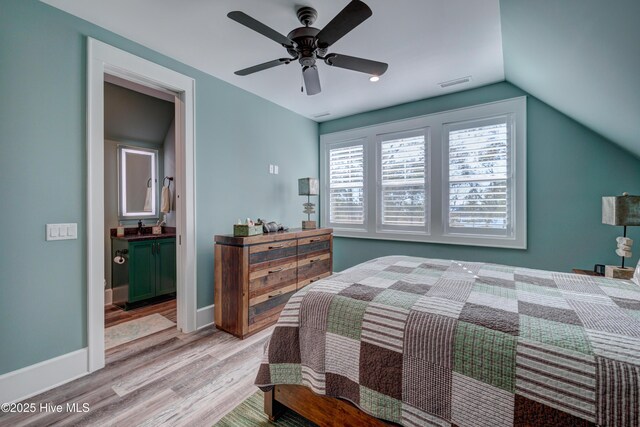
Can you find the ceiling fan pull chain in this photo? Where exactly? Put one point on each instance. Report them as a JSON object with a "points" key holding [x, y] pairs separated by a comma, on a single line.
{"points": [[301, 83]]}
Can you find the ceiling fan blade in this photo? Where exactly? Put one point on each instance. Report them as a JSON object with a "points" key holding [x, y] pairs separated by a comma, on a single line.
{"points": [[356, 64], [263, 66], [311, 80], [259, 27], [354, 14]]}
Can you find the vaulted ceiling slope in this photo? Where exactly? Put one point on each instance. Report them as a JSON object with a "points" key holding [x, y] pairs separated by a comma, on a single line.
{"points": [[135, 117], [582, 57]]}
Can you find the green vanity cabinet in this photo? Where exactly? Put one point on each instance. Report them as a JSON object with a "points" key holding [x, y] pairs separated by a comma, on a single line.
{"points": [[166, 272], [149, 269]]}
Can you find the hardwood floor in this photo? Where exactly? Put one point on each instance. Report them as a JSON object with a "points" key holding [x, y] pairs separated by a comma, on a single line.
{"points": [[114, 315], [168, 378]]}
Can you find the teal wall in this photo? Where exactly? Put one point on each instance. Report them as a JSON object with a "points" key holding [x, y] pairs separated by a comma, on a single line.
{"points": [[582, 57], [569, 169], [43, 173]]}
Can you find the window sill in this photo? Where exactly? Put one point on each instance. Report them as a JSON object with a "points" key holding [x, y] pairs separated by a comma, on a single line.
{"points": [[490, 242]]}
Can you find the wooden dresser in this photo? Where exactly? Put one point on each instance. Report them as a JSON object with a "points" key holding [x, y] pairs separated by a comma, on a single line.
{"points": [[255, 276]]}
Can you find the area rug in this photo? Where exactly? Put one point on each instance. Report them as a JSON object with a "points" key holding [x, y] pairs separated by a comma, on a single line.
{"points": [[250, 413], [134, 329]]}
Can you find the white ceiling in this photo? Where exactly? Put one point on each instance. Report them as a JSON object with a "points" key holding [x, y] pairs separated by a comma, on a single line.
{"points": [[425, 42]]}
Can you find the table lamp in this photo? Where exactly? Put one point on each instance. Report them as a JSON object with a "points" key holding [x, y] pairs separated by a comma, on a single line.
{"points": [[308, 187], [622, 211]]}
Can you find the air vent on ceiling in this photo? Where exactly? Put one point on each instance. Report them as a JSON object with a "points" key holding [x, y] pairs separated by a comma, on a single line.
{"points": [[325, 114], [455, 82]]}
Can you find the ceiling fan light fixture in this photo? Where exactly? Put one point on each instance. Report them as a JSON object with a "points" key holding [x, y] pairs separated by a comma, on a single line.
{"points": [[374, 79]]}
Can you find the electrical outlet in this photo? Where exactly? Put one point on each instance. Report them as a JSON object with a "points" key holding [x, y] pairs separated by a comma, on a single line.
{"points": [[271, 169], [275, 169]]}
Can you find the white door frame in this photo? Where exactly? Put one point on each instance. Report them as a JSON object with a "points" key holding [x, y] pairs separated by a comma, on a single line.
{"points": [[103, 58]]}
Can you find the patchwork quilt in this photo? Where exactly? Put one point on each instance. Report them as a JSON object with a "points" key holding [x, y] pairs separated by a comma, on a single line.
{"points": [[427, 342]]}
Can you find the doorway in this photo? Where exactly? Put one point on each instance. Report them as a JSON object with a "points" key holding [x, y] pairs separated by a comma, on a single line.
{"points": [[139, 211], [106, 62]]}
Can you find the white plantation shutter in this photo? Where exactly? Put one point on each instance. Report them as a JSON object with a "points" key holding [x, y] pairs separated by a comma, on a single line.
{"points": [[479, 178], [402, 181], [346, 185]]}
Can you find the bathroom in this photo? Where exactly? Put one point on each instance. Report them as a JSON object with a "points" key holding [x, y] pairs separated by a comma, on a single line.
{"points": [[139, 211]]}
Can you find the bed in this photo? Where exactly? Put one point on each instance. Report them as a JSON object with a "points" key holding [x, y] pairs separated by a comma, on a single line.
{"points": [[426, 342]]}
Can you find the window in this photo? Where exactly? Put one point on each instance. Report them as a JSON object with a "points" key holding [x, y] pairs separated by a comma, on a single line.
{"points": [[403, 189], [451, 177], [346, 185], [479, 180]]}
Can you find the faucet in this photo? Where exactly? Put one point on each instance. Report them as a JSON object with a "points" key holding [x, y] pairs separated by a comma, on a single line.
{"points": [[140, 225]]}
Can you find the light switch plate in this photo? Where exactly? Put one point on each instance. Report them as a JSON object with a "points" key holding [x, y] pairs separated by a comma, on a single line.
{"points": [[271, 169], [62, 231], [275, 169]]}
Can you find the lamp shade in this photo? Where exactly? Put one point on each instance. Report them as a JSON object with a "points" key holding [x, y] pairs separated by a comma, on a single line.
{"points": [[308, 187], [621, 210]]}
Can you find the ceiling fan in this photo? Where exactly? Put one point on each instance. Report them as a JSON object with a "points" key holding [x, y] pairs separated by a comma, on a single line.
{"points": [[308, 44]]}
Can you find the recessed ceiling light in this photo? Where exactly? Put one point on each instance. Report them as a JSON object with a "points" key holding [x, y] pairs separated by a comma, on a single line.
{"points": [[374, 78]]}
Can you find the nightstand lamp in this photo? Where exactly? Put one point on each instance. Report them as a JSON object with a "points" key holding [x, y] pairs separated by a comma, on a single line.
{"points": [[308, 187], [622, 211]]}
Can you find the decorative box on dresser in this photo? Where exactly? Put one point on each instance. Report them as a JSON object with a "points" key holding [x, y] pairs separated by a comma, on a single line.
{"points": [[255, 276]]}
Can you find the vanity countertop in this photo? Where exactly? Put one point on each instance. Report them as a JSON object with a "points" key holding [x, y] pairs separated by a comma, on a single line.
{"points": [[139, 237], [131, 234]]}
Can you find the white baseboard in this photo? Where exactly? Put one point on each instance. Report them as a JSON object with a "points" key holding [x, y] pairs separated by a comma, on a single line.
{"points": [[35, 379], [204, 316], [108, 297]]}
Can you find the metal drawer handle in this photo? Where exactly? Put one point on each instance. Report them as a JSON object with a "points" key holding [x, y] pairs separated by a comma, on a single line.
{"points": [[276, 294], [276, 247], [312, 240], [312, 261], [276, 270], [313, 280]]}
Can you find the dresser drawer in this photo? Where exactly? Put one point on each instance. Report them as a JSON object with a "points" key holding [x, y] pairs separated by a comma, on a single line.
{"points": [[267, 312], [304, 283], [313, 266], [269, 252], [269, 280], [314, 245]]}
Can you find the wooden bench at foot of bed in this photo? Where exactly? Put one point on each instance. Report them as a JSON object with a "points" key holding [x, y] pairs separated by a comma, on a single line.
{"points": [[322, 410]]}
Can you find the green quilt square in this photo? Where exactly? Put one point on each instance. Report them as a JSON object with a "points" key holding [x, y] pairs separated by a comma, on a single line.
{"points": [[345, 316], [495, 290], [634, 313], [380, 405], [500, 268], [286, 373], [537, 289], [486, 355], [608, 282], [392, 275], [396, 298], [563, 335]]}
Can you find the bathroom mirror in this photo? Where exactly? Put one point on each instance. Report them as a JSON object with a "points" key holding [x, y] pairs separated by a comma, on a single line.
{"points": [[137, 182]]}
